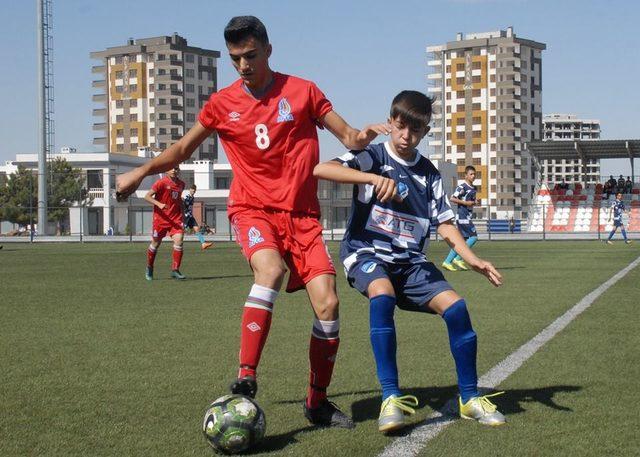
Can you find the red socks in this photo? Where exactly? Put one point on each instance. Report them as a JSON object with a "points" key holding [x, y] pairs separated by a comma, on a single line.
{"points": [[177, 257], [256, 321], [151, 256], [323, 349]]}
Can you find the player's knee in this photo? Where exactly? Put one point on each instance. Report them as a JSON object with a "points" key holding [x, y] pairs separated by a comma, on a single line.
{"points": [[271, 274], [327, 307]]}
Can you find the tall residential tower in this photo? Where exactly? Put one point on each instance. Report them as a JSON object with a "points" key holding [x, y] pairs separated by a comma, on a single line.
{"points": [[488, 91], [153, 89], [569, 127]]}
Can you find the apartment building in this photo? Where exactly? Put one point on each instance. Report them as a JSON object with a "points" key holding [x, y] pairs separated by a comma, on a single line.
{"points": [[488, 105], [151, 91], [569, 127]]}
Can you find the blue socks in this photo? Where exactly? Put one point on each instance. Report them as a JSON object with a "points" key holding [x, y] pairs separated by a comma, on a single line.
{"points": [[382, 331], [464, 347], [452, 255], [200, 237], [470, 242], [624, 234]]}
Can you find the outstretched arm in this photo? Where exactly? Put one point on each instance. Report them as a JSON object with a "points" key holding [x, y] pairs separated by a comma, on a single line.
{"points": [[333, 171], [452, 236], [127, 183], [353, 138], [150, 197]]}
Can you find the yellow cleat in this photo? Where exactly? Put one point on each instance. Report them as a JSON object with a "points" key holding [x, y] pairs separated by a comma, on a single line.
{"points": [[448, 266], [482, 410], [461, 265], [393, 411]]}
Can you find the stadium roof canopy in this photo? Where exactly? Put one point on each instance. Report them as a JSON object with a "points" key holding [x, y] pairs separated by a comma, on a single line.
{"points": [[586, 150]]}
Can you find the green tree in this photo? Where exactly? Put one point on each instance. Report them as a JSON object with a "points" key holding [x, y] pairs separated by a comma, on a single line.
{"points": [[66, 188], [18, 197]]}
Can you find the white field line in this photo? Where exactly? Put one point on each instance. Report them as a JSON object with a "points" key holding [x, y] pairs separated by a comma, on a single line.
{"points": [[414, 442]]}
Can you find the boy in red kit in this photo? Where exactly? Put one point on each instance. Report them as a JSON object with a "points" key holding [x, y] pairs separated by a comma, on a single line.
{"points": [[166, 197], [267, 123]]}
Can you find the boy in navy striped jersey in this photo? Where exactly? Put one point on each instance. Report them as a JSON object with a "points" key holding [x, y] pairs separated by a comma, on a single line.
{"points": [[397, 198]]}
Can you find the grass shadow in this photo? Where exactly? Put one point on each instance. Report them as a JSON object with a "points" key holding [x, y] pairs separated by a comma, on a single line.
{"points": [[275, 443], [444, 400]]}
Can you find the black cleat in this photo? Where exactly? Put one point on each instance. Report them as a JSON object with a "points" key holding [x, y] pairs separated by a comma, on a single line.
{"points": [[246, 386], [327, 415]]}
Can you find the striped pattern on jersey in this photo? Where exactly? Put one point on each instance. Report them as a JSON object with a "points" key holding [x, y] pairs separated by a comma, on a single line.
{"points": [[397, 231], [465, 192], [188, 205], [618, 209]]}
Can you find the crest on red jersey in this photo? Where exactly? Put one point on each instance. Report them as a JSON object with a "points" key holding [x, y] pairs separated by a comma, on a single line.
{"points": [[284, 111]]}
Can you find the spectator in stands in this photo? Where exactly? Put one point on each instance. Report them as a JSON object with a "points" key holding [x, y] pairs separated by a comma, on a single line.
{"points": [[612, 181], [628, 186], [607, 190], [621, 183], [564, 185]]}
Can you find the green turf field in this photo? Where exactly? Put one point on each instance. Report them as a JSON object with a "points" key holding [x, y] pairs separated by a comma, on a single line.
{"points": [[97, 361]]}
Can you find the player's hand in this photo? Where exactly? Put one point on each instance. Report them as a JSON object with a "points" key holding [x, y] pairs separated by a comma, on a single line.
{"points": [[370, 132], [162, 205], [385, 187], [487, 269], [127, 183]]}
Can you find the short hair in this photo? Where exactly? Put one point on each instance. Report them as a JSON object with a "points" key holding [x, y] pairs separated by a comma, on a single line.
{"points": [[412, 107], [240, 28], [469, 168], [193, 186]]}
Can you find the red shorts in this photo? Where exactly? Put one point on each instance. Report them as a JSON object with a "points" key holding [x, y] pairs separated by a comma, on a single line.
{"points": [[298, 239], [159, 231]]}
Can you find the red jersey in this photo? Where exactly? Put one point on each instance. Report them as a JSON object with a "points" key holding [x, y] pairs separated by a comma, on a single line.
{"points": [[271, 143], [169, 192]]}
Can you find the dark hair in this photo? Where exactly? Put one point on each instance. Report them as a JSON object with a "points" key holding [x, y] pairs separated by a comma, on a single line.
{"points": [[412, 107], [193, 186], [469, 168], [240, 28]]}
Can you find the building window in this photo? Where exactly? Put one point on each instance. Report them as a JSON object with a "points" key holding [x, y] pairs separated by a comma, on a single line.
{"points": [[119, 103], [188, 58], [133, 102], [119, 60], [119, 89], [162, 101], [133, 87], [133, 118], [191, 102], [191, 117], [119, 118], [151, 71], [119, 132], [134, 132], [190, 73], [161, 57], [163, 146], [189, 87], [162, 131], [119, 74], [210, 62], [119, 147], [134, 146], [133, 73], [152, 131]]}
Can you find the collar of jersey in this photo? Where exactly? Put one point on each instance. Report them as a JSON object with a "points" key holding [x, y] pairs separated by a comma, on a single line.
{"points": [[400, 160]]}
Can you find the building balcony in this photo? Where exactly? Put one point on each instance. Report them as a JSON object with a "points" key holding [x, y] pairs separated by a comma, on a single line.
{"points": [[167, 92], [99, 98], [96, 192], [100, 112], [169, 122], [100, 84], [434, 76], [100, 141], [99, 69], [100, 126], [167, 77]]}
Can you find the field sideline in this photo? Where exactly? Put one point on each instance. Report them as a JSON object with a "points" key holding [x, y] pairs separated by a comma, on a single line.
{"points": [[96, 361]]}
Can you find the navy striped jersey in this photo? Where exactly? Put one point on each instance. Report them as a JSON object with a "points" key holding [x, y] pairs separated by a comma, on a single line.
{"points": [[188, 205], [618, 208], [394, 231], [467, 193]]}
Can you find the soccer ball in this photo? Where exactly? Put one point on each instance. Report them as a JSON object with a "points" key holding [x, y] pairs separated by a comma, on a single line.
{"points": [[233, 424]]}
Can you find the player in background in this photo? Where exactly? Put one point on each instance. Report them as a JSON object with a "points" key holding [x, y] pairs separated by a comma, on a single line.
{"points": [[166, 197], [190, 221], [465, 197], [398, 198], [616, 210], [267, 123]]}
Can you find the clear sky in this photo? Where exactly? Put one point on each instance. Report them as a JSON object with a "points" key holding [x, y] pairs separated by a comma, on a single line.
{"points": [[359, 52]]}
